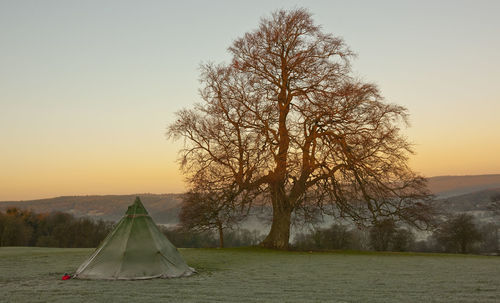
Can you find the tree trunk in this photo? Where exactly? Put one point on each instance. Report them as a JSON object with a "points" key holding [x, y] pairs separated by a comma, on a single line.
{"points": [[221, 236], [279, 235]]}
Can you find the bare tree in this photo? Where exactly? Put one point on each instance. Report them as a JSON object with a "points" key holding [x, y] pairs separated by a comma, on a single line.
{"points": [[204, 211], [287, 120], [458, 233], [210, 205]]}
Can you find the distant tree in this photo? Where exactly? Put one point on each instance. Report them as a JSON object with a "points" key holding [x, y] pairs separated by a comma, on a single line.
{"points": [[422, 246], [19, 227], [14, 231], [85, 232], [489, 238], [242, 237], [181, 237], [381, 234], [205, 210], [458, 234], [385, 235], [56, 230], [337, 236], [303, 241], [403, 240], [360, 239], [495, 204], [2, 225], [32, 220], [287, 118]]}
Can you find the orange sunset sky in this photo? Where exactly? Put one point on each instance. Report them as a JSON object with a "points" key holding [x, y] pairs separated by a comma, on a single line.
{"points": [[87, 88]]}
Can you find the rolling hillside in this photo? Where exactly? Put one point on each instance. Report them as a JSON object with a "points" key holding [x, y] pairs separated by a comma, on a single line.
{"points": [[449, 186], [164, 208], [453, 193], [475, 201]]}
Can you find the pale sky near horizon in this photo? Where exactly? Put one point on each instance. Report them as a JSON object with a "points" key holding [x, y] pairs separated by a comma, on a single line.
{"points": [[87, 88]]}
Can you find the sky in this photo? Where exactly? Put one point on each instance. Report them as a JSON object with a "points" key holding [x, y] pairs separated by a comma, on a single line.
{"points": [[87, 88]]}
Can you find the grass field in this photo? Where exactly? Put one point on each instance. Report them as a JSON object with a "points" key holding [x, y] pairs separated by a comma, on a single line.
{"points": [[258, 275]]}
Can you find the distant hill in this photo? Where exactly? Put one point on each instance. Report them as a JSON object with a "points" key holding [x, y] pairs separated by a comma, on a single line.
{"points": [[164, 208], [470, 194], [475, 203], [448, 186], [453, 193]]}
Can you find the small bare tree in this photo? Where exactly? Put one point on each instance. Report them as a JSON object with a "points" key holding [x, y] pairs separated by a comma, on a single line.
{"points": [[207, 206], [287, 120], [204, 211]]}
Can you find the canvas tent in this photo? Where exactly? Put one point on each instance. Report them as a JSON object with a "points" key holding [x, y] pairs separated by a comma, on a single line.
{"points": [[134, 249]]}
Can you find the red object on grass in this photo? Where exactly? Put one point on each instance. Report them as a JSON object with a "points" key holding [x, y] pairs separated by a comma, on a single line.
{"points": [[66, 277]]}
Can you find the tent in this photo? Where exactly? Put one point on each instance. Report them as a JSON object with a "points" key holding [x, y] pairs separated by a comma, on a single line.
{"points": [[134, 249]]}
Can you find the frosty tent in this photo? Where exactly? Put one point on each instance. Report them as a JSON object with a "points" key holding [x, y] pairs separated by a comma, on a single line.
{"points": [[134, 249]]}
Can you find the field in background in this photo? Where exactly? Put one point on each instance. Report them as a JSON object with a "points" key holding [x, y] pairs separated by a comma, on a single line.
{"points": [[258, 275]]}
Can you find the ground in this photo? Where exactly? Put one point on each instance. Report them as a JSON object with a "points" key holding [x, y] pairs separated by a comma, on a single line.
{"points": [[259, 275]]}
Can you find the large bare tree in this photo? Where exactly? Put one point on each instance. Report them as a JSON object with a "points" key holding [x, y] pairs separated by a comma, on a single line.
{"points": [[287, 119]]}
